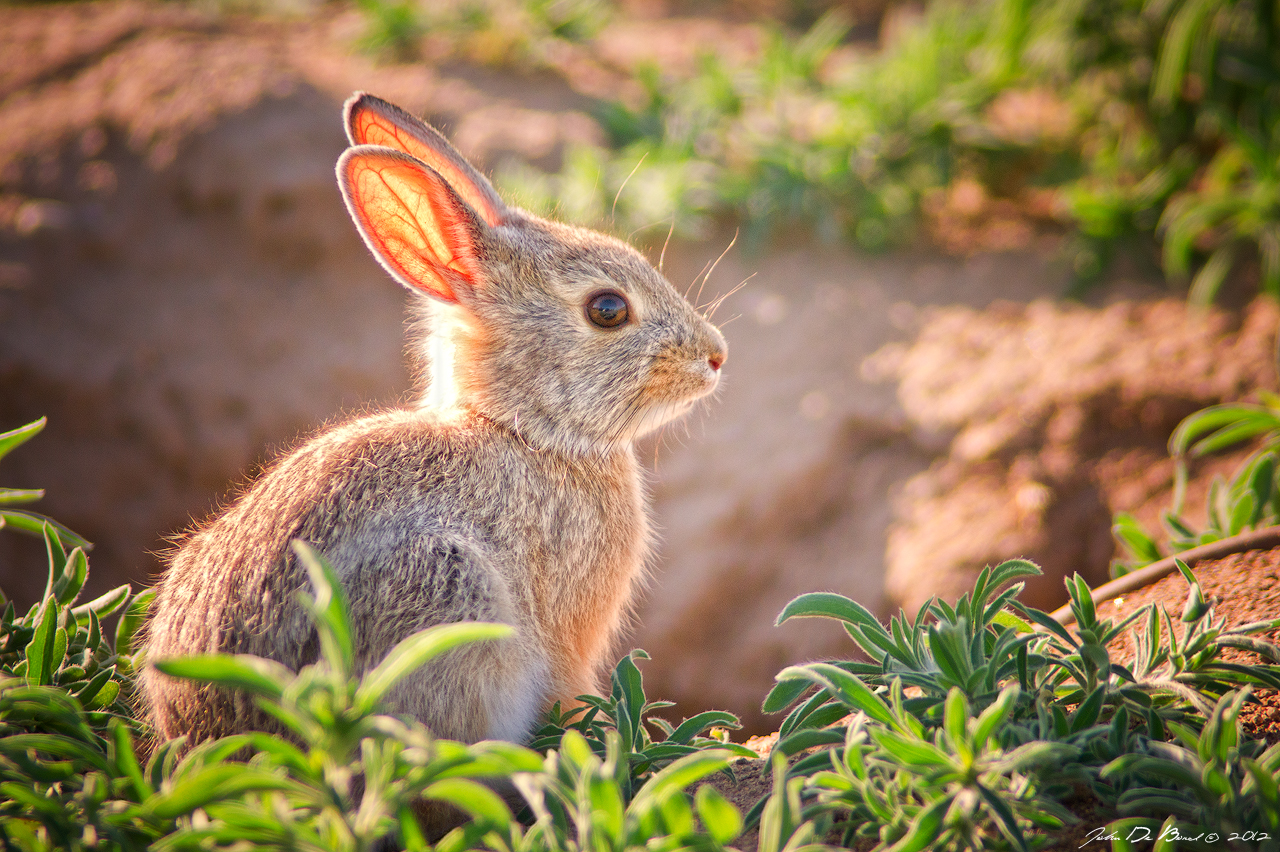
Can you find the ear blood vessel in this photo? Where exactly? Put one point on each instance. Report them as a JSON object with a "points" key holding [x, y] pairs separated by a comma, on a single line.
{"points": [[511, 493]]}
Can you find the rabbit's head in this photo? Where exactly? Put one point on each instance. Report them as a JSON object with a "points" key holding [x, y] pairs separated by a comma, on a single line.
{"points": [[565, 335]]}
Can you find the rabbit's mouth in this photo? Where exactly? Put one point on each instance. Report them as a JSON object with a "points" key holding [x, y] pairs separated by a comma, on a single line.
{"points": [[662, 410], [658, 415]]}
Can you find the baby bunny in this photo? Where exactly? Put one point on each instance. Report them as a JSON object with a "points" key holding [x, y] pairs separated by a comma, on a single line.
{"points": [[510, 494]]}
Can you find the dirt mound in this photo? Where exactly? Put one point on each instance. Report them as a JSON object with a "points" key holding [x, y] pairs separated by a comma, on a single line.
{"points": [[1060, 416]]}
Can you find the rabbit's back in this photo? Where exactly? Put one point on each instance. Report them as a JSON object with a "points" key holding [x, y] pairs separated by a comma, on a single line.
{"points": [[426, 522]]}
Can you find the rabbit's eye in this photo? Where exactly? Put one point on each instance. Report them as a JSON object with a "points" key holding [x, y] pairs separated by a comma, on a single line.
{"points": [[607, 309]]}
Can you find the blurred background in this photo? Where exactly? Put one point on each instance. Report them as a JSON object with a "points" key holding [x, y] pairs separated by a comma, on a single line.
{"points": [[994, 252]]}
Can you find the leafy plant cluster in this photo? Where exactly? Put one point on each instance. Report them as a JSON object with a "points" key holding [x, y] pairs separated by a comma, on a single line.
{"points": [[981, 123], [1249, 501], [973, 726], [339, 776]]}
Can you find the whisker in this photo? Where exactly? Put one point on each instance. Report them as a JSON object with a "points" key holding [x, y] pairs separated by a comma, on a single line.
{"points": [[657, 445], [614, 210], [621, 421], [695, 280], [645, 227], [717, 263], [662, 257], [715, 305]]}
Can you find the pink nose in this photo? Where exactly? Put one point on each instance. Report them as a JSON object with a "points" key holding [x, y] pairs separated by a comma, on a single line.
{"points": [[715, 361]]}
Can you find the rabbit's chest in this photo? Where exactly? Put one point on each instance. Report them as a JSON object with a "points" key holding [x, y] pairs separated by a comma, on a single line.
{"points": [[587, 551]]}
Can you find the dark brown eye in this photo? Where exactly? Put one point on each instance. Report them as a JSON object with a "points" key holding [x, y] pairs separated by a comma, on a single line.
{"points": [[607, 310]]}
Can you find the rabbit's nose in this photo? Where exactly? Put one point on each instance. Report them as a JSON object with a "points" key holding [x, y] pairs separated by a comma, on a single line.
{"points": [[717, 350]]}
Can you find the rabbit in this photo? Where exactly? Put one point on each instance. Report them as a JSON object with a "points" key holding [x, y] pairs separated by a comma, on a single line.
{"points": [[509, 493]]}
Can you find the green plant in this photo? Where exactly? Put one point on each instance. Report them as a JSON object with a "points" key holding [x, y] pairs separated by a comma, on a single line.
{"points": [[956, 789], [973, 723], [627, 715], [1250, 500], [345, 776], [578, 804], [1216, 787]]}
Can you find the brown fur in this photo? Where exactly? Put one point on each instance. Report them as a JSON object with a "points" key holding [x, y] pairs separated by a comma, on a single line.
{"points": [[515, 498]]}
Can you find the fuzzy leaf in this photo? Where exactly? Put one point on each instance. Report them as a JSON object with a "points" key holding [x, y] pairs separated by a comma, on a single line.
{"points": [[414, 651], [246, 672]]}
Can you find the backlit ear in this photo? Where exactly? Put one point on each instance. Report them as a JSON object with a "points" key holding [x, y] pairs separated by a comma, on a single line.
{"points": [[412, 220], [373, 121]]}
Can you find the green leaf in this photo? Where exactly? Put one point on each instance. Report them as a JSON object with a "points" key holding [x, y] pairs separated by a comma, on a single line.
{"points": [[956, 718], [994, 717], [67, 587], [34, 524], [1046, 621], [1164, 837], [1088, 711], [1082, 601], [1242, 513], [1011, 569], [1131, 534], [132, 619], [39, 652], [829, 605], [17, 745], [212, 784], [90, 690], [1230, 424], [105, 697], [473, 798], [16, 437], [412, 652], [58, 656], [925, 829], [328, 607], [628, 690], [914, 752], [1205, 286], [127, 761], [57, 557], [1003, 812], [105, 604], [783, 695], [695, 725], [10, 496], [721, 819], [950, 659], [246, 672], [1196, 606], [843, 687], [682, 774], [808, 738]]}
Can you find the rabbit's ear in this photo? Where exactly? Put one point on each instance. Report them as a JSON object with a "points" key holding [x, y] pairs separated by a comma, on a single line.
{"points": [[373, 121], [412, 220]]}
